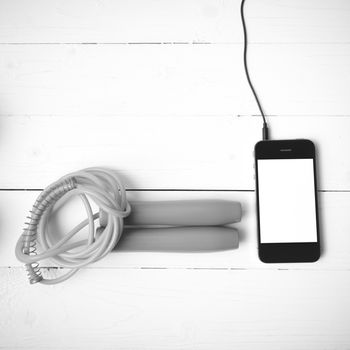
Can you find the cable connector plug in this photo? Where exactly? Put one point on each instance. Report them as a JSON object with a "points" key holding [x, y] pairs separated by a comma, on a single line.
{"points": [[265, 132]]}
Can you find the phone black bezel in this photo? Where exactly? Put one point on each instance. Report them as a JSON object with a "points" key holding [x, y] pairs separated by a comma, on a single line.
{"points": [[287, 252]]}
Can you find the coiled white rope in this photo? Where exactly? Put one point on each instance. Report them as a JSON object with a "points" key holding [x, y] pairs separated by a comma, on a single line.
{"points": [[100, 185]]}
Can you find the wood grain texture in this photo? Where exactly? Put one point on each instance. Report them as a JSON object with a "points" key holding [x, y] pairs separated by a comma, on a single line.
{"points": [[167, 21], [172, 309], [162, 152], [95, 80]]}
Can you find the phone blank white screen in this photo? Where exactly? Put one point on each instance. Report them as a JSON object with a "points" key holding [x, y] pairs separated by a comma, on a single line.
{"points": [[287, 201]]}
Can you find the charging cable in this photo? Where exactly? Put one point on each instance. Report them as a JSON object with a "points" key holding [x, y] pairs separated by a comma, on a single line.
{"points": [[265, 131]]}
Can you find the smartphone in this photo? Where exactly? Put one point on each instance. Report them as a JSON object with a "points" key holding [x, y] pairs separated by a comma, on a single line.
{"points": [[286, 194]]}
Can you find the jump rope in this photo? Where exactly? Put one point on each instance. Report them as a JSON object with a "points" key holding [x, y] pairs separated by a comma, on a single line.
{"points": [[117, 215]]}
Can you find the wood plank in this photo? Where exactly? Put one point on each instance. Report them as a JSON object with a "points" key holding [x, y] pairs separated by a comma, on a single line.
{"points": [[149, 80], [178, 309], [334, 208], [200, 21], [162, 152]]}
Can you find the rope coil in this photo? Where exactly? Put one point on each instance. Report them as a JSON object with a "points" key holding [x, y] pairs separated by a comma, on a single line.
{"points": [[103, 187]]}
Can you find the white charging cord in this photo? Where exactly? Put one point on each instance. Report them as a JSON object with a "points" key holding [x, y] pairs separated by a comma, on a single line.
{"points": [[100, 185]]}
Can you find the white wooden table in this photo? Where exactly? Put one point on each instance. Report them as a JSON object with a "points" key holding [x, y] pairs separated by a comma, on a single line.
{"points": [[156, 90]]}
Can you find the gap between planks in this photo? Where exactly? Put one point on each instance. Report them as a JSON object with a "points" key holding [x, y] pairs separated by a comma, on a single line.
{"points": [[166, 190], [180, 43], [179, 268]]}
